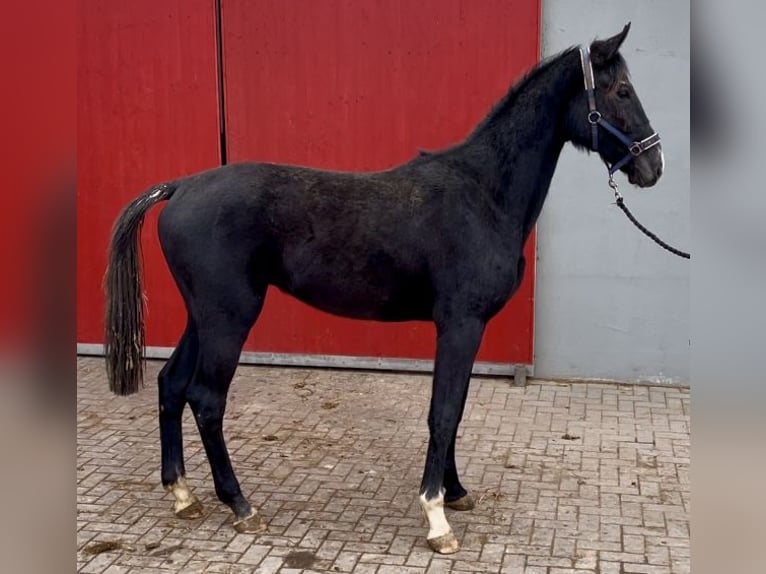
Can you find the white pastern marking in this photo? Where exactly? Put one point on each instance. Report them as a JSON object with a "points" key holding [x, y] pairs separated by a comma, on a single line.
{"points": [[184, 496], [434, 511]]}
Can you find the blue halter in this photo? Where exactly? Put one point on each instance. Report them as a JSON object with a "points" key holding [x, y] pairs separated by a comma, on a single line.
{"points": [[595, 119]]}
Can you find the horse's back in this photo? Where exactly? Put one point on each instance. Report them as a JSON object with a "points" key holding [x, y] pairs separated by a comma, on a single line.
{"points": [[354, 244], [288, 204]]}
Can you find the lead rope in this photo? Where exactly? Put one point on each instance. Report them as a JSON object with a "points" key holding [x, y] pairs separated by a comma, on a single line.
{"points": [[621, 204]]}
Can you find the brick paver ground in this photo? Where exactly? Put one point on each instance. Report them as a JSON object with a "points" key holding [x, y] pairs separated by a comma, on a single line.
{"points": [[570, 478]]}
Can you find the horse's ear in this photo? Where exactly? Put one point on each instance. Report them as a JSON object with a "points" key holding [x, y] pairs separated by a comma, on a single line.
{"points": [[601, 51]]}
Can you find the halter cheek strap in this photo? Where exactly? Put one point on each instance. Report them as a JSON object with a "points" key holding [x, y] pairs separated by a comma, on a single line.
{"points": [[595, 119]]}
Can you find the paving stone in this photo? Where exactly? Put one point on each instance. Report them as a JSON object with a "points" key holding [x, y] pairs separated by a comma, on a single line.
{"points": [[569, 478]]}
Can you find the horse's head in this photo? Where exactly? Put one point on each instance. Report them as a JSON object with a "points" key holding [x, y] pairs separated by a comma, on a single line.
{"points": [[606, 115]]}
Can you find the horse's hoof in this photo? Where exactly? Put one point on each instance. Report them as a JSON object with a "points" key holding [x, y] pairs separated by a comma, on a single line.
{"points": [[253, 524], [444, 544], [463, 503], [190, 511]]}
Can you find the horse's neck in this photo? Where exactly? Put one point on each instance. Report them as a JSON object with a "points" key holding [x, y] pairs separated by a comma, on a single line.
{"points": [[520, 140]]}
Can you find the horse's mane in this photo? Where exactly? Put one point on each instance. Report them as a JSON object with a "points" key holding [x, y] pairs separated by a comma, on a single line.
{"points": [[506, 101], [614, 68], [519, 86]]}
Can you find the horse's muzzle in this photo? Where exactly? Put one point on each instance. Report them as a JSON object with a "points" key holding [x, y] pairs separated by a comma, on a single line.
{"points": [[647, 168]]}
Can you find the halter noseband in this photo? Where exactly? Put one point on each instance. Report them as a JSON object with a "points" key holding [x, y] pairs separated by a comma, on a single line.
{"points": [[595, 119]]}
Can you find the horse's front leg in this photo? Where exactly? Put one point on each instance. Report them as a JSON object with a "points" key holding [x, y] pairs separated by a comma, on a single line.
{"points": [[456, 348], [456, 496]]}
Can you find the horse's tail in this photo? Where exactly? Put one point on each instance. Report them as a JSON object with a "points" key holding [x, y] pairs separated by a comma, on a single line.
{"points": [[124, 320]]}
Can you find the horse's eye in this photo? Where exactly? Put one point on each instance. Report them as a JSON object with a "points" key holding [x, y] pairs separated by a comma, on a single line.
{"points": [[623, 93]]}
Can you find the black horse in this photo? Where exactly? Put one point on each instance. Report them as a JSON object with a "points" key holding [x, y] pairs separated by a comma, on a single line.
{"points": [[437, 239]]}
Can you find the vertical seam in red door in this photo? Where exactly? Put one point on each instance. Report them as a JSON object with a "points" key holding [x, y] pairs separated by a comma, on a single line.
{"points": [[221, 91]]}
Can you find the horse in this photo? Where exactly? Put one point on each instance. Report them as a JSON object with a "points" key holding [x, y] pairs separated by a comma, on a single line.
{"points": [[439, 238]]}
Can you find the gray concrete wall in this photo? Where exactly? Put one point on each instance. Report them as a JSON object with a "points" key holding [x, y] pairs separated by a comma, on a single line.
{"points": [[609, 302]]}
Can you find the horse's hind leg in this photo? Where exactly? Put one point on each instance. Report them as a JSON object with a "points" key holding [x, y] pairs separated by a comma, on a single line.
{"points": [[223, 326], [172, 382]]}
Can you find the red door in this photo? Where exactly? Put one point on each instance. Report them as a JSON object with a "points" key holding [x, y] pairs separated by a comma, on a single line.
{"points": [[342, 84], [361, 85], [147, 112]]}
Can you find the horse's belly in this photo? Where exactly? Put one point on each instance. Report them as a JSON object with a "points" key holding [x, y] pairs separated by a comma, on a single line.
{"points": [[362, 297]]}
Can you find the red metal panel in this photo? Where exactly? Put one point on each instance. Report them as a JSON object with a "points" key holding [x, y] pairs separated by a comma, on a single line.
{"points": [[360, 85], [37, 150], [147, 112]]}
